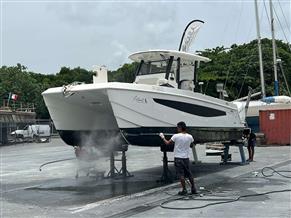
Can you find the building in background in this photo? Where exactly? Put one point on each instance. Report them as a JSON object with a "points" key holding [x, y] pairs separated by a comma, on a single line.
{"points": [[14, 116]]}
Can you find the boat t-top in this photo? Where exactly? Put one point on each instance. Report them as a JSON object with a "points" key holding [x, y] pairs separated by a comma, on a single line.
{"points": [[135, 113]]}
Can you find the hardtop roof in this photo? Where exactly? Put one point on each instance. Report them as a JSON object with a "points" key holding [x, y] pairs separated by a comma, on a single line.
{"points": [[157, 55]]}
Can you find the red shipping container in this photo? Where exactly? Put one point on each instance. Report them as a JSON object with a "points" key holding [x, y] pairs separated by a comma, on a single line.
{"points": [[276, 125]]}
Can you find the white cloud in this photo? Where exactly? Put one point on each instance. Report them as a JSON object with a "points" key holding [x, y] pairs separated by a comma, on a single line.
{"points": [[46, 36]]}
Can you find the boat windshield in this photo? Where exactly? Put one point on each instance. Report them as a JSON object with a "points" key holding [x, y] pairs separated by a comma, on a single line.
{"points": [[153, 67], [156, 67]]}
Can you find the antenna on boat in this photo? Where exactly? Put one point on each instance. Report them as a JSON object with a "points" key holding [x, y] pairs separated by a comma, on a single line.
{"points": [[276, 84], [189, 34], [260, 51]]}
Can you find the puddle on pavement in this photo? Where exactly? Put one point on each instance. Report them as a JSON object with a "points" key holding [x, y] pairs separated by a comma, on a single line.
{"points": [[111, 188]]}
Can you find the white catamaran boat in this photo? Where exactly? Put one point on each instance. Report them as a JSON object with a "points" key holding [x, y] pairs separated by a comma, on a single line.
{"points": [[135, 113], [161, 96]]}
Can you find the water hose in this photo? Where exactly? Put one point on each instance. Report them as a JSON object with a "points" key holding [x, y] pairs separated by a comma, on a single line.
{"points": [[56, 161]]}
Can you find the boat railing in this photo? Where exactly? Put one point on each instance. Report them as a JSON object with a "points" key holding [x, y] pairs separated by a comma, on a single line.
{"points": [[67, 88]]}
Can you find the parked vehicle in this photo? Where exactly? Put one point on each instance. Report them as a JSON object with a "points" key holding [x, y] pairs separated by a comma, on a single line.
{"points": [[38, 132]]}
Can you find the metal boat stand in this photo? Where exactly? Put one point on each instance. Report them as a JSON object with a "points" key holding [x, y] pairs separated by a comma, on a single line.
{"points": [[196, 160], [240, 146], [167, 176], [122, 172]]}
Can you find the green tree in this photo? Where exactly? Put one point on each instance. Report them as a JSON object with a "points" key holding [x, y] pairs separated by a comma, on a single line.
{"points": [[237, 67], [126, 73]]}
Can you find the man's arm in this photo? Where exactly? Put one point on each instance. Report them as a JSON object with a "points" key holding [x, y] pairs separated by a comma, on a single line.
{"points": [[167, 142], [192, 142]]}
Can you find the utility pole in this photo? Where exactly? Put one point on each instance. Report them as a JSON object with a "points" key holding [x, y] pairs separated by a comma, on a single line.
{"points": [[276, 83], [260, 51]]}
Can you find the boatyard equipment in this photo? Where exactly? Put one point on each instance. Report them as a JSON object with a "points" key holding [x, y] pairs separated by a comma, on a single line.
{"points": [[167, 176], [123, 172], [240, 146]]}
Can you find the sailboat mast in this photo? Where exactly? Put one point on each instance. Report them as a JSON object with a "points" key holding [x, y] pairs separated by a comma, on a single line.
{"points": [[260, 51], [276, 83]]}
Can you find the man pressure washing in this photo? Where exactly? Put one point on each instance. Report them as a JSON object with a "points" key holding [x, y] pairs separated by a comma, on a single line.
{"points": [[182, 142]]}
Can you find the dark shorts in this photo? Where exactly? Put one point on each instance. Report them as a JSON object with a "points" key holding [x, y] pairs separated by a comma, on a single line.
{"points": [[183, 167], [252, 144]]}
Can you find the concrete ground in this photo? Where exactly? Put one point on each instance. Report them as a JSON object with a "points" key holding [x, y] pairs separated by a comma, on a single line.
{"points": [[54, 191]]}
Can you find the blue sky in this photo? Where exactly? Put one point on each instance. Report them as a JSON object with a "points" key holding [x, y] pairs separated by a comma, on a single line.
{"points": [[46, 35]]}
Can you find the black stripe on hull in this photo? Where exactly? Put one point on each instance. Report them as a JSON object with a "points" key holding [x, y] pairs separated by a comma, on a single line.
{"points": [[194, 109], [146, 136], [150, 136]]}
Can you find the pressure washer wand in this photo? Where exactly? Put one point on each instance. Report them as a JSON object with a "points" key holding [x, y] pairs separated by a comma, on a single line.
{"points": [[55, 162]]}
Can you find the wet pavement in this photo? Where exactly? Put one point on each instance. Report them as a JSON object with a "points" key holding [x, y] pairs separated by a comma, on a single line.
{"points": [[55, 192]]}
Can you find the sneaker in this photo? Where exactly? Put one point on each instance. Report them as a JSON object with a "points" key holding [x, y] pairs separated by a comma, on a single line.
{"points": [[183, 192], [194, 192]]}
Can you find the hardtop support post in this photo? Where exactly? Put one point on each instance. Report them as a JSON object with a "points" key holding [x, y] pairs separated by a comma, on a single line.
{"points": [[169, 66], [178, 76]]}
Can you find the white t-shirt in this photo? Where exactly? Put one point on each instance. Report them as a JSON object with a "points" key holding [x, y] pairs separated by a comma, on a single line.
{"points": [[182, 144]]}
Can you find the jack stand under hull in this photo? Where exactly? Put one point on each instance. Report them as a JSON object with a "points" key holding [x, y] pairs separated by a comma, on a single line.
{"points": [[114, 172], [241, 151], [167, 176]]}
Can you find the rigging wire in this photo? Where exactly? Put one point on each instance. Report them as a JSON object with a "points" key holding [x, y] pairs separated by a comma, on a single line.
{"points": [[287, 24], [280, 24], [226, 27], [277, 53], [282, 29], [233, 81], [240, 90], [246, 73], [236, 33], [245, 76], [267, 12], [283, 73], [281, 66]]}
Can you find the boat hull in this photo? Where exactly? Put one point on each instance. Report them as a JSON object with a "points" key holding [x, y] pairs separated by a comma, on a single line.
{"points": [[116, 113], [150, 136]]}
